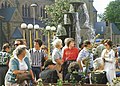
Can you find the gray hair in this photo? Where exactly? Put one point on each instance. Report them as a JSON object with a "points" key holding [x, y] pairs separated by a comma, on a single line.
{"points": [[57, 42], [19, 49]]}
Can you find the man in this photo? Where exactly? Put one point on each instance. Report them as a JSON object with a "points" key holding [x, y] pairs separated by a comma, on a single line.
{"points": [[4, 60], [38, 57], [85, 57], [49, 75]]}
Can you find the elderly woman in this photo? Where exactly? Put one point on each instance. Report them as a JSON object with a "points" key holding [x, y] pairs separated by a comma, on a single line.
{"points": [[57, 53], [108, 55], [18, 65]]}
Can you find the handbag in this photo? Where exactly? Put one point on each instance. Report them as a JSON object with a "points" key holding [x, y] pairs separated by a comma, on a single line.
{"points": [[23, 76], [99, 77]]}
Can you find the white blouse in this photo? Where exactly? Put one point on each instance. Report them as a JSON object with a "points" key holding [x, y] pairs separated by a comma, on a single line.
{"points": [[23, 65]]}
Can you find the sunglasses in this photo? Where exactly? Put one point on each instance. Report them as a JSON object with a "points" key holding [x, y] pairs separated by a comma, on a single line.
{"points": [[16, 44], [105, 44]]}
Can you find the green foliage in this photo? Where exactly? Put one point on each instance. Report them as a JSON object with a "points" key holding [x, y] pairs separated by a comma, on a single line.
{"points": [[112, 13], [101, 17], [56, 11]]}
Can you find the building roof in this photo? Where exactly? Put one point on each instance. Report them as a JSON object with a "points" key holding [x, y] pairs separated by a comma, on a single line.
{"points": [[115, 30], [7, 13], [30, 21], [100, 27], [17, 34], [94, 10]]}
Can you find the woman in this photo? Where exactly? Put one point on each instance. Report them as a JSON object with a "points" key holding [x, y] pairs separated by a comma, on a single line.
{"points": [[57, 55], [70, 54], [108, 56], [18, 64]]}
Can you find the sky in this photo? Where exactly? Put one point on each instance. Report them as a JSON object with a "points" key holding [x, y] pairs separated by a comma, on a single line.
{"points": [[100, 5]]}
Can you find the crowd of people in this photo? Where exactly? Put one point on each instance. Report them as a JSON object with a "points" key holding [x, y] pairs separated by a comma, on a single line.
{"points": [[66, 63]]}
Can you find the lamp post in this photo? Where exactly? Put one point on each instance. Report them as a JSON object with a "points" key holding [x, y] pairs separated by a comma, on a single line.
{"points": [[23, 26], [48, 29], [53, 28], [36, 27], [30, 27], [34, 6]]}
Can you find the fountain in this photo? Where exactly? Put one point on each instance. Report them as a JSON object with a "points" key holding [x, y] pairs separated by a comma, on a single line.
{"points": [[90, 33], [73, 22]]}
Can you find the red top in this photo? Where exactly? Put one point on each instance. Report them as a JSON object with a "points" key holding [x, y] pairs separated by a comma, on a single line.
{"points": [[70, 54]]}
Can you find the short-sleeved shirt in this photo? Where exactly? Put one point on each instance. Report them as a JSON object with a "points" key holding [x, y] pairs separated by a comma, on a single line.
{"points": [[4, 58], [70, 54], [84, 53], [37, 57], [56, 54]]}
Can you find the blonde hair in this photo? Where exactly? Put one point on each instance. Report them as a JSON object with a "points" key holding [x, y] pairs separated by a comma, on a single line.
{"points": [[56, 43]]}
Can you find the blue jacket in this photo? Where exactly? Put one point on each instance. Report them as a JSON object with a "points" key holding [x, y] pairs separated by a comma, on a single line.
{"points": [[14, 65]]}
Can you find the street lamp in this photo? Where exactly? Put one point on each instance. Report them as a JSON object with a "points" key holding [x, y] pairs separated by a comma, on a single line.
{"points": [[30, 27], [48, 29], [23, 26], [36, 27], [34, 6], [53, 29]]}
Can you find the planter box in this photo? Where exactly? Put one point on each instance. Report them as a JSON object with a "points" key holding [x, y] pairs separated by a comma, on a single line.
{"points": [[70, 84]]}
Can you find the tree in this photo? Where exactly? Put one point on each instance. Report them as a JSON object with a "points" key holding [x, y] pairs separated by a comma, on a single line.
{"points": [[56, 11], [112, 12], [101, 17]]}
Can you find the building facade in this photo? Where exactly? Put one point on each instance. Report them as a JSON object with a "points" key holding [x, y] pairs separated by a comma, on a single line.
{"points": [[15, 12]]}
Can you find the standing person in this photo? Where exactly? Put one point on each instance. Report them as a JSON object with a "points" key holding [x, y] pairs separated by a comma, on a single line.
{"points": [[100, 48], [70, 54], [38, 57], [22, 42], [108, 55], [18, 64], [4, 60]]}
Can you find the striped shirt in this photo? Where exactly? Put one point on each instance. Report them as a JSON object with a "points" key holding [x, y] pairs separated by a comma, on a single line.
{"points": [[4, 58], [37, 57]]}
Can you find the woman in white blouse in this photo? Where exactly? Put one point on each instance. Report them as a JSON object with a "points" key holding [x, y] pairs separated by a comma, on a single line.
{"points": [[108, 56]]}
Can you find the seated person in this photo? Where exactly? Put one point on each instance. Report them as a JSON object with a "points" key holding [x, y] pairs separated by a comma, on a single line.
{"points": [[73, 72], [98, 76], [49, 75]]}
